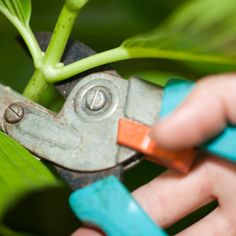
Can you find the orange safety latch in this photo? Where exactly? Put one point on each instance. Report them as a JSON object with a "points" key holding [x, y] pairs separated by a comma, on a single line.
{"points": [[137, 136]]}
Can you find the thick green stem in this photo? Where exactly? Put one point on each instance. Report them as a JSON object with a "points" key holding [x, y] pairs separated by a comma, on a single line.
{"points": [[60, 36], [56, 47], [36, 86], [121, 53]]}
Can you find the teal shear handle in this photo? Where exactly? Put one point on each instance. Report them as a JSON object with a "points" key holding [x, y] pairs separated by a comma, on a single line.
{"points": [[176, 91], [106, 204]]}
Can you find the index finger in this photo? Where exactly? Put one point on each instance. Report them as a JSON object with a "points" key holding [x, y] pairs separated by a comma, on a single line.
{"points": [[204, 113]]}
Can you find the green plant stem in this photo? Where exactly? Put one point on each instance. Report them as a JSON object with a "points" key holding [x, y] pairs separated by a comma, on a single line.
{"points": [[60, 36], [121, 53], [36, 86], [55, 50], [28, 37], [32, 45], [58, 74]]}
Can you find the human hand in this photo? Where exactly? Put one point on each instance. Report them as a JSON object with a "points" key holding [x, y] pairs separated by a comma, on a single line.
{"points": [[171, 196]]}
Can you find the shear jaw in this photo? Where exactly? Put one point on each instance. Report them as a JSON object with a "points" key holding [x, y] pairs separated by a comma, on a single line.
{"points": [[83, 135]]}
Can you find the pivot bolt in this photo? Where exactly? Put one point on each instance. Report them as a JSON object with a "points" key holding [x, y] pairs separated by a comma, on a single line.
{"points": [[14, 113], [95, 99]]}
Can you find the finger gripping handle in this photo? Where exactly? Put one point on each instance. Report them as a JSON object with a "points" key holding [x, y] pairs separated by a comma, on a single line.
{"points": [[107, 204], [175, 93]]}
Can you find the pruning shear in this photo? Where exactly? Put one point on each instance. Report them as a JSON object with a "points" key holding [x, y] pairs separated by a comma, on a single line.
{"points": [[102, 130]]}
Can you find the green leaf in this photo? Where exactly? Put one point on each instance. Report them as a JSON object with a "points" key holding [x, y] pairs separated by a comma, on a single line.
{"points": [[18, 13], [16, 10], [21, 173], [201, 30]]}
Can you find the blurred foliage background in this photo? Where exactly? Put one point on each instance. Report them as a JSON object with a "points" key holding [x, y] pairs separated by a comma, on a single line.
{"points": [[103, 24]]}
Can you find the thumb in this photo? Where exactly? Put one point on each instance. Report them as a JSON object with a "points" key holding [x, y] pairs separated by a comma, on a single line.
{"points": [[205, 112]]}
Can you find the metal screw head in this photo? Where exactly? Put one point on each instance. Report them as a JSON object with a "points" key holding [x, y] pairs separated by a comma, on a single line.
{"points": [[95, 99], [14, 113]]}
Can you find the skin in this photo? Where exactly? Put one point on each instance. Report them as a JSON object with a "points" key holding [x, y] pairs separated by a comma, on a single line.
{"points": [[171, 196]]}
